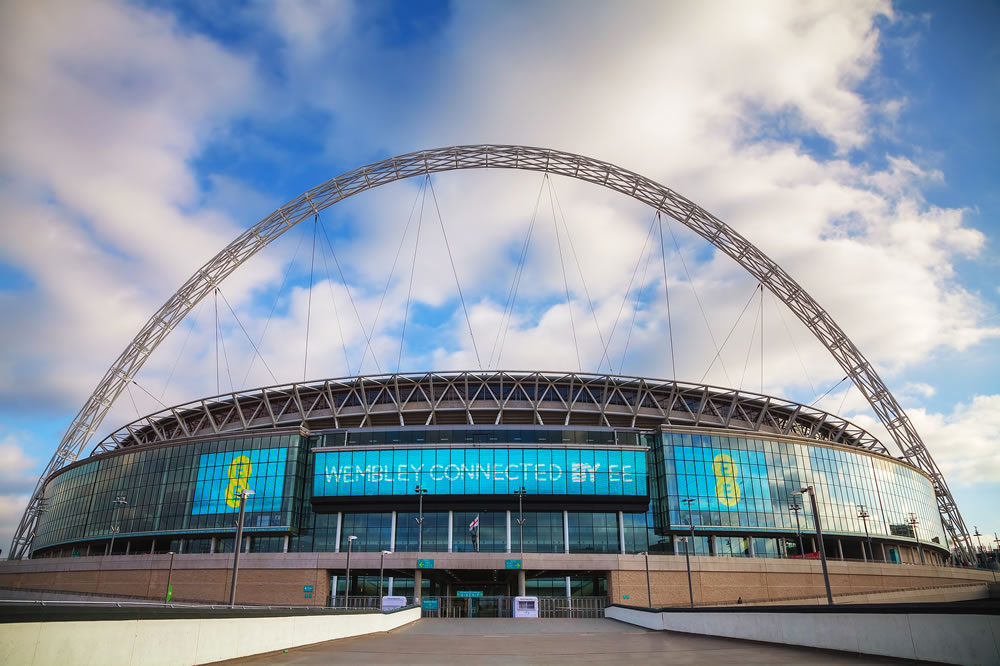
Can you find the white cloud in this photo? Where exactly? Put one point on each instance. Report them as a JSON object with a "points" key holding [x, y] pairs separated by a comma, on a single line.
{"points": [[965, 443]]}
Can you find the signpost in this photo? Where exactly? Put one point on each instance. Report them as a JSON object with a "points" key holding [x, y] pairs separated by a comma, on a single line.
{"points": [[425, 564]]}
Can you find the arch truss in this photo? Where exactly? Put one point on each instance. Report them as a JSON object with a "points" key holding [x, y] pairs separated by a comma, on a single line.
{"points": [[604, 174]]}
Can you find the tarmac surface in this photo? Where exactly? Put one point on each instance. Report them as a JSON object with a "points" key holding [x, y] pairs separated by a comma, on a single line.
{"points": [[553, 641]]}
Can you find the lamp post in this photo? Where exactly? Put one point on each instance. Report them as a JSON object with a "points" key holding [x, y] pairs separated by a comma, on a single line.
{"points": [[819, 536], [913, 522], [687, 551], [649, 590], [520, 516], [170, 574], [864, 516], [420, 490], [381, 568], [238, 544], [982, 553], [347, 582], [795, 507], [118, 503]]}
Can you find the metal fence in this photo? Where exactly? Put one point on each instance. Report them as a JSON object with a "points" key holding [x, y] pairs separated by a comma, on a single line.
{"points": [[483, 607]]}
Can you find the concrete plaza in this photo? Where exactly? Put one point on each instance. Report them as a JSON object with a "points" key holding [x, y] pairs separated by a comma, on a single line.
{"points": [[557, 641]]}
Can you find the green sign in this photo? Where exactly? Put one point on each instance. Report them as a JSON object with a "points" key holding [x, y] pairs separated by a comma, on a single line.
{"points": [[429, 604], [307, 588], [469, 593], [425, 564], [170, 593], [512, 564]]}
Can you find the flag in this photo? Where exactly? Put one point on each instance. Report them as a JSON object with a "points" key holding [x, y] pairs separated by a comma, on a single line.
{"points": [[474, 524]]}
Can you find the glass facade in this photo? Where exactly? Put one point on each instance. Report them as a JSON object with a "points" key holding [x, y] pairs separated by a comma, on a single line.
{"points": [[745, 483], [180, 489], [741, 490]]}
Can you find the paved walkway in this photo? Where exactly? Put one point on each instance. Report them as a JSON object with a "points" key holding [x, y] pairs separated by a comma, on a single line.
{"points": [[503, 642]]}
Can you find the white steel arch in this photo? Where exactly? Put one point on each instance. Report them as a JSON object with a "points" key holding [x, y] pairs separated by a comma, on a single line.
{"points": [[487, 156]]}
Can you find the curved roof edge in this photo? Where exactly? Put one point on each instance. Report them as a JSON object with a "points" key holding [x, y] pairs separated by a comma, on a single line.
{"points": [[526, 398]]}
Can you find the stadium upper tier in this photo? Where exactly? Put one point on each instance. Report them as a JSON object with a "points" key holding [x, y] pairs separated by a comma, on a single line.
{"points": [[489, 398]]}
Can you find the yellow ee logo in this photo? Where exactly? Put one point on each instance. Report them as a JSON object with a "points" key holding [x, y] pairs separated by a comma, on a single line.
{"points": [[727, 490], [239, 477]]}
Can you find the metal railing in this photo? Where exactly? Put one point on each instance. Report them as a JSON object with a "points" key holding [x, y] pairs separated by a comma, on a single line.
{"points": [[489, 607]]}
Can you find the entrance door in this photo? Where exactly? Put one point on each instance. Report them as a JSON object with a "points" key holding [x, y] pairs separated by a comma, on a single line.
{"points": [[894, 556]]}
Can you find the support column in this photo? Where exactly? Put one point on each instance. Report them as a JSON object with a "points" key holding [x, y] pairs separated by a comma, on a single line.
{"points": [[569, 589], [451, 529], [211, 545], [520, 582], [864, 552], [566, 539], [340, 520], [813, 540], [128, 545], [418, 583], [390, 587], [621, 532], [882, 546], [284, 546], [508, 533], [152, 547], [180, 547], [840, 549], [333, 590], [753, 551], [392, 534]]}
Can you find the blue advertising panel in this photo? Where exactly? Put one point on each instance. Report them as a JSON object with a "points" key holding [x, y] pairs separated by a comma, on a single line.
{"points": [[459, 471], [223, 476], [722, 479]]}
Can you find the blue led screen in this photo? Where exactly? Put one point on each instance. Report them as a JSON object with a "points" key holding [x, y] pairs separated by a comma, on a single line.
{"points": [[222, 476], [722, 479], [460, 471]]}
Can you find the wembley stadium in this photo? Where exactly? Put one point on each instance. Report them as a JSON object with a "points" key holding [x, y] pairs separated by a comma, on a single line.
{"points": [[467, 489]]}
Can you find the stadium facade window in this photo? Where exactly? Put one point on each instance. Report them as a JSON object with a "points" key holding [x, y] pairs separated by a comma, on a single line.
{"points": [[435, 532], [593, 532], [543, 532]]}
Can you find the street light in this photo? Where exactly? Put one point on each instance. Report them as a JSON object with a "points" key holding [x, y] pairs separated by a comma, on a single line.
{"points": [[420, 490], [118, 502], [238, 545], [687, 550], [649, 590], [819, 536], [864, 516], [913, 523], [170, 574], [981, 552], [795, 508], [381, 567], [347, 583], [520, 515]]}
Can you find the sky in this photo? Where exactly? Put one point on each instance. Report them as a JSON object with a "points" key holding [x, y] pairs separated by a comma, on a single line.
{"points": [[855, 143]]}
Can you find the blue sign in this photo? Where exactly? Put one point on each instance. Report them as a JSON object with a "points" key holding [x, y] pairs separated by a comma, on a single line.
{"points": [[469, 593], [722, 479], [429, 604], [425, 564], [512, 564], [223, 476], [460, 471]]}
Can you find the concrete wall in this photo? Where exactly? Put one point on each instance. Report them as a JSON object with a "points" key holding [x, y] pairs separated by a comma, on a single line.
{"points": [[950, 639], [179, 642], [720, 580], [279, 578]]}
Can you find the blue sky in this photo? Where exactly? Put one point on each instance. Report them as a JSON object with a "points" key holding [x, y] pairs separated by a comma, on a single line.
{"points": [[854, 143]]}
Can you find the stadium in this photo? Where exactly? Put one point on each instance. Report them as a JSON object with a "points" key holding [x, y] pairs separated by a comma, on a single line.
{"points": [[467, 489]]}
